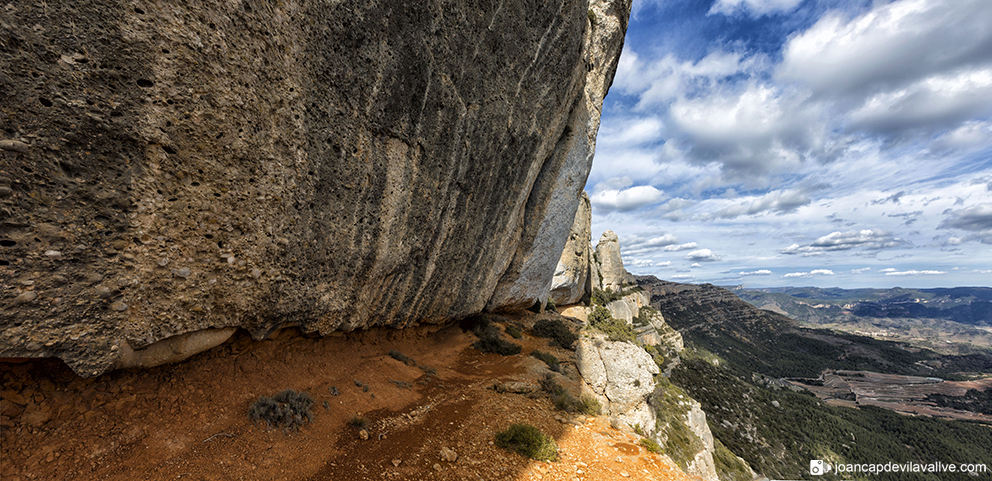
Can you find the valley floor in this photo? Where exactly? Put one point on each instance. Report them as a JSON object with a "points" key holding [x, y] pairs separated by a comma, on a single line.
{"points": [[190, 420], [903, 394]]}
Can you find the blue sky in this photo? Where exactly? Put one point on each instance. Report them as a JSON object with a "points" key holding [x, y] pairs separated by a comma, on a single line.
{"points": [[801, 142]]}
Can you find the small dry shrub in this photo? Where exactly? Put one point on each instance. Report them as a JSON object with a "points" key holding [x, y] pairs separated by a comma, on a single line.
{"points": [[289, 410]]}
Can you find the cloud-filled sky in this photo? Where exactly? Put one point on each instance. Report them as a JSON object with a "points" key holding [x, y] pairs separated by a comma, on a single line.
{"points": [[801, 142]]}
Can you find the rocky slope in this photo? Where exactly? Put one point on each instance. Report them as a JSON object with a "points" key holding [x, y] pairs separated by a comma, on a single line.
{"points": [[431, 416], [171, 171], [624, 376]]}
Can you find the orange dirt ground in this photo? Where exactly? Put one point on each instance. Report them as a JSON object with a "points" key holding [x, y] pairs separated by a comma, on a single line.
{"points": [[190, 420]]}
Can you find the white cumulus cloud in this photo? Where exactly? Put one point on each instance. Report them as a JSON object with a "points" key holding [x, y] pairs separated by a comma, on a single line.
{"points": [[756, 8], [779, 201], [872, 239], [904, 65], [702, 255], [624, 200], [759, 272], [681, 247], [914, 273], [814, 272]]}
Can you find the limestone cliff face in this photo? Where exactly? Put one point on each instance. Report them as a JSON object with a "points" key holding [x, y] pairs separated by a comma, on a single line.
{"points": [[185, 166], [555, 197], [571, 274]]}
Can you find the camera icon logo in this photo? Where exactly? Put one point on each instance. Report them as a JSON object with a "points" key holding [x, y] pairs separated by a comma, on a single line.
{"points": [[818, 467]]}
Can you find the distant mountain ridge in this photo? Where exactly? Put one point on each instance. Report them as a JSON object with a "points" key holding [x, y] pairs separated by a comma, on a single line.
{"points": [[965, 305], [736, 354], [751, 339]]}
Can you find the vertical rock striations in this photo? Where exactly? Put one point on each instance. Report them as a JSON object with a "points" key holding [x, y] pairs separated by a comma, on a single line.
{"points": [[552, 204], [571, 274], [183, 166]]}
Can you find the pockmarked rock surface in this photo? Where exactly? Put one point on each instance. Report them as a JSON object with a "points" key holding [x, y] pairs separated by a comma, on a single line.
{"points": [[571, 274], [174, 167], [619, 371]]}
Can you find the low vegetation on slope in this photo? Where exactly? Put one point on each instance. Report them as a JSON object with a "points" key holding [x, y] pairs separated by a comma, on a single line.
{"points": [[779, 432], [617, 330], [288, 410], [973, 400], [528, 441], [753, 340], [671, 407]]}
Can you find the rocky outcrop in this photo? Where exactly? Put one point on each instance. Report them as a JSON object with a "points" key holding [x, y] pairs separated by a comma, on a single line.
{"points": [[620, 373], [176, 167], [614, 276], [595, 276], [571, 275], [702, 464], [657, 332], [553, 201], [628, 307]]}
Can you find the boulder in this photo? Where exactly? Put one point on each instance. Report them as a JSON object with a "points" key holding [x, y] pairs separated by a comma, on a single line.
{"points": [[339, 165], [569, 282], [577, 311], [620, 371]]}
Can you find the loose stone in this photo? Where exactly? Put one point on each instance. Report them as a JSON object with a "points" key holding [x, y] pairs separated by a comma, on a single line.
{"points": [[14, 146], [449, 455], [26, 297]]}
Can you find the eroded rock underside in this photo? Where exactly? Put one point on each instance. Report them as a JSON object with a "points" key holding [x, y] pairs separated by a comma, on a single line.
{"points": [[183, 166]]}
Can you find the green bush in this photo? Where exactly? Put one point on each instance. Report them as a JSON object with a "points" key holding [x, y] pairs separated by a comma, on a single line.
{"points": [[399, 356], [528, 441], [561, 398], [616, 329], [553, 363], [602, 298], [651, 445], [681, 444], [557, 331], [513, 331], [289, 410], [589, 405], [491, 338], [550, 306], [358, 422]]}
